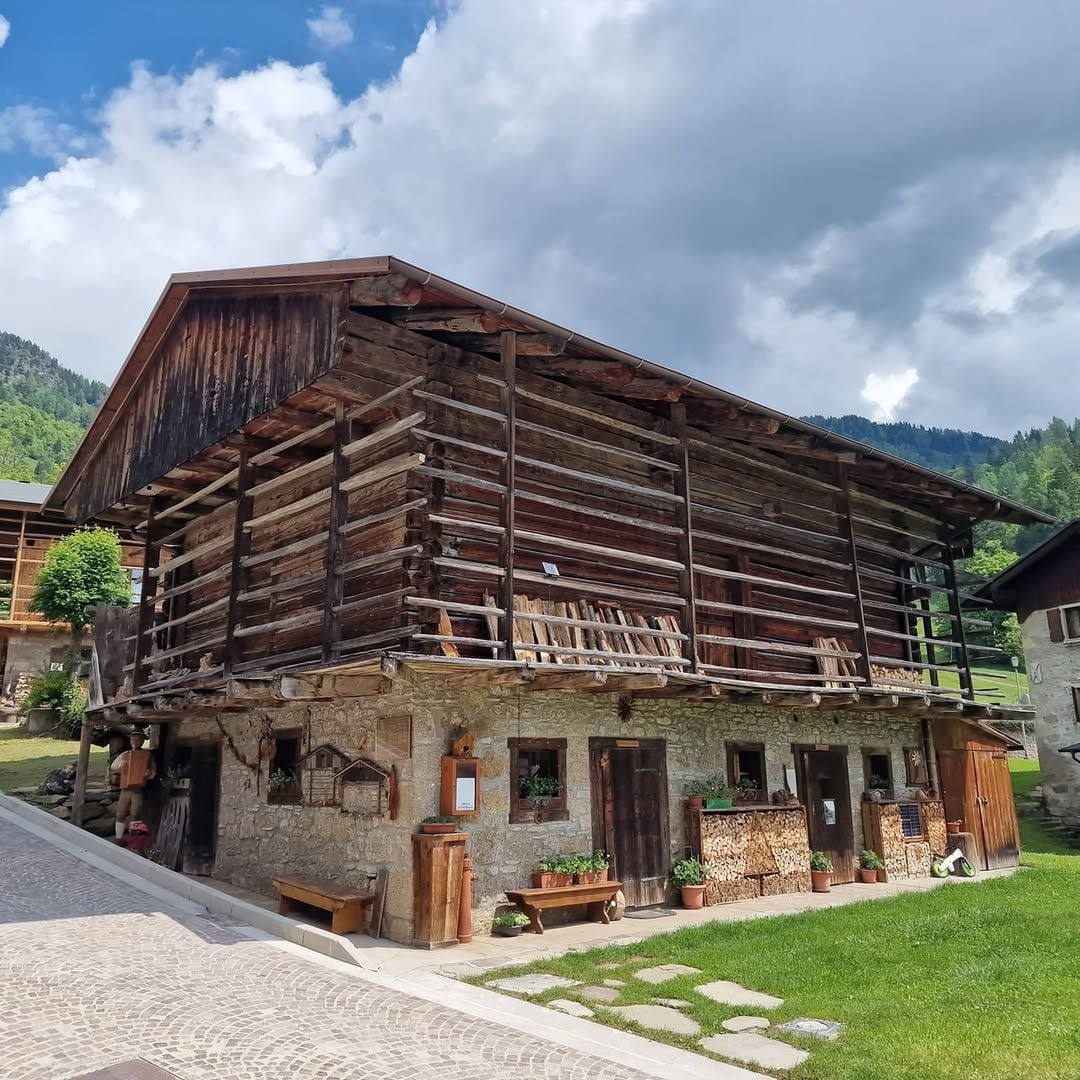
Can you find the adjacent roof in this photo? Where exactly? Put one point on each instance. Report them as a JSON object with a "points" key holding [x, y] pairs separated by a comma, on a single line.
{"points": [[21, 493], [431, 288], [1009, 579]]}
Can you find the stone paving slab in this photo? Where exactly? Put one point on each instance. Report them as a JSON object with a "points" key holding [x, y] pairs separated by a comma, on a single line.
{"points": [[532, 984], [603, 994], [731, 993], [94, 972], [658, 1018], [746, 1023], [663, 972], [818, 1029], [755, 1049], [571, 1008]]}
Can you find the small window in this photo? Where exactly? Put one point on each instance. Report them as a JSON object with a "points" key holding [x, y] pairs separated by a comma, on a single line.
{"points": [[537, 780], [284, 784], [1072, 623], [877, 770], [746, 771]]}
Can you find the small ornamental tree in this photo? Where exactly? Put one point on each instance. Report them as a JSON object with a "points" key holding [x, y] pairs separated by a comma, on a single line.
{"points": [[77, 572]]}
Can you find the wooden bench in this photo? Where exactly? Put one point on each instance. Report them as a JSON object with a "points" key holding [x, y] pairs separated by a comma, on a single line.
{"points": [[534, 901], [347, 906]]}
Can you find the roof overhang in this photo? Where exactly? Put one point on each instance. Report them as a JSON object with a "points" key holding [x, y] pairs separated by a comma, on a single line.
{"points": [[1001, 589], [424, 285]]}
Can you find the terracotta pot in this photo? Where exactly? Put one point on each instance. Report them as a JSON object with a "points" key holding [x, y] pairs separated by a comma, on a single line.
{"points": [[590, 877], [438, 828], [881, 875], [562, 880], [695, 802], [601, 875], [821, 880], [693, 896], [544, 879], [867, 877]]}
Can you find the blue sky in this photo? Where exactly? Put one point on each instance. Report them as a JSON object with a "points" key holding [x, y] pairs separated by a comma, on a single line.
{"points": [[830, 207], [68, 55]]}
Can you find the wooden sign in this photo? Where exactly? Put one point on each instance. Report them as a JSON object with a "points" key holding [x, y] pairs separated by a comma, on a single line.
{"points": [[459, 789]]}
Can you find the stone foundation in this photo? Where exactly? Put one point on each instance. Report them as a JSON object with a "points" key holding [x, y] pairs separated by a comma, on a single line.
{"points": [[257, 839]]}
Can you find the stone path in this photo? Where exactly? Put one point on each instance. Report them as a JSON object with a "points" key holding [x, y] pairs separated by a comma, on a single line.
{"points": [[94, 972]]}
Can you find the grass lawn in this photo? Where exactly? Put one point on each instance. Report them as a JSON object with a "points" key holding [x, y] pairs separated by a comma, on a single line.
{"points": [[1004, 686], [26, 759], [1034, 839], [970, 982]]}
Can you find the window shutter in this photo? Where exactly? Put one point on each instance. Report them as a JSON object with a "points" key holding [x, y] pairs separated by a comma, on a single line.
{"points": [[1053, 621]]}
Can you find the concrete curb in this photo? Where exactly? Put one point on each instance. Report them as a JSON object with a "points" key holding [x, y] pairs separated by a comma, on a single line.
{"points": [[179, 892]]}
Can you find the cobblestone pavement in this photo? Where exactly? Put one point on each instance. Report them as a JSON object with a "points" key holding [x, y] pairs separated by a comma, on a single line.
{"points": [[94, 972]]}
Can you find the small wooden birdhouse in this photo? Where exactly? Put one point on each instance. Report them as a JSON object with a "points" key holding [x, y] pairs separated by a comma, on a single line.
{"points": [[319, 772], [367, 788]]}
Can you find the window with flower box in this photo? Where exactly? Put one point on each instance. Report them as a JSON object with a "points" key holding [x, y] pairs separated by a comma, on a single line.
{"points": [[537, 780]]}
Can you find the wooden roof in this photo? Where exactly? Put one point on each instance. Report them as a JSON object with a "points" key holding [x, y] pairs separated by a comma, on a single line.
{"points": [[424, 302]]}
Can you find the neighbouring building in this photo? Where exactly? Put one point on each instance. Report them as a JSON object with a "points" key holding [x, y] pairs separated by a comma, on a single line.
{"points": [[27, 642], [1043, 588], [385, 515]]}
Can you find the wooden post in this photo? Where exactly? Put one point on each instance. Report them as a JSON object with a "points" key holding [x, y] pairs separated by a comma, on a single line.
{"points": [[82, 767], [240, 546], [151, 559], [927, 624], [967, 684], [17, 571], [338, 516], [464, 925], [847, 529], [682, 480], [508, 353]]}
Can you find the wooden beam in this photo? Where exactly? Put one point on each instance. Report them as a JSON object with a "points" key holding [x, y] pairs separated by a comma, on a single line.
{"points": [[147, 610], [683, 486], [241, 546], [959, 633], [508, 341], [527, 344], [82, 769], [328, 687], [847, 529], [336, 518], [393, 290]]}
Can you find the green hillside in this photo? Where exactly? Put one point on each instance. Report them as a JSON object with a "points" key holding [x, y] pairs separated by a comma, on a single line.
{"points": [[44, 408]]}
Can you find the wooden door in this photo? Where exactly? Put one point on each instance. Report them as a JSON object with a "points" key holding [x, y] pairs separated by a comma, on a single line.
{"points": [[204, 768], [630, 814], [824, 791], [996, 809]]}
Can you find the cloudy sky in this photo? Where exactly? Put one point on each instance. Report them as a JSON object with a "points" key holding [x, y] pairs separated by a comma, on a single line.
{"points": [[829, 207]]}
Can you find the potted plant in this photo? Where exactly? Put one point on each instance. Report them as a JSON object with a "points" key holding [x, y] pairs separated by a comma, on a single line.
{"points": [[821, 869], [282, 786], [594, 869], [870, 867], [688, 876], [438, 823], [720, 794], [696, 793], [538, 787], [550, 873], [509, 923], [747, 790], [577, 866]]}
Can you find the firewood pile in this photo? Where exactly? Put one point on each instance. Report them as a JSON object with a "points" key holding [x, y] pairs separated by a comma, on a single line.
{"points": [[755, 854], [603, 635]]}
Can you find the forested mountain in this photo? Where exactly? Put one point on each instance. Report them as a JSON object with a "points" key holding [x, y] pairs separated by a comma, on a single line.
{"points": [[944, 449], [44, 408]]}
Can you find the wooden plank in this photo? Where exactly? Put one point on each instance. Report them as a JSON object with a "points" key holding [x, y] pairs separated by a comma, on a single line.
{"points": [[147, 608], [338, 513], [683, 487], [241, 541], [209, 489], [186, 557], [959, 631], [600, 480], [461, 406], [772, 583], [384, 399], [623, 555], [554, 401], [596, 447], [764, 646], [782, 616], [383, 471], [216, 574], [847, 528], [507, 505]]}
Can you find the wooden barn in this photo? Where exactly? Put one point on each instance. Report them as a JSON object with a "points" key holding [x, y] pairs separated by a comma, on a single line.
{"points": [[381, 509]]}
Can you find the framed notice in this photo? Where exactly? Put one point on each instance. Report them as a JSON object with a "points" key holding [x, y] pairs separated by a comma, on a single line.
{"points": [[459, 789]]}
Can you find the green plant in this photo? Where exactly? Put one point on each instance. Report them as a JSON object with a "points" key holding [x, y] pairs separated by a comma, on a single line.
{"points": [[551, 865], [713, 787], [538, 787], [746, 784], [56, 690], [280, 779], [689, 872], [510, 918], [870, 860], [439, 819], [599, 860], [574, 864], [879, 783], [76, 573], [820, 862]]}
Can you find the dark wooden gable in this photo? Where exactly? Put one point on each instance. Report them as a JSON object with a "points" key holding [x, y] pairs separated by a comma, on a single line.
{"points": [[226, 360]]}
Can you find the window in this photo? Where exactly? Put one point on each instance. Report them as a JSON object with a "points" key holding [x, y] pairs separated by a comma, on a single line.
{"points": [[1071, 616], [877, 770], [537, 780], [746, 771], [284, 784], [915, 764], [136, 575]]}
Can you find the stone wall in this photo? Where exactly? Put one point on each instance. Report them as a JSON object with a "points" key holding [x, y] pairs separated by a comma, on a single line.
{"points": [[28, 650], [257, 839], [1055, 715]]}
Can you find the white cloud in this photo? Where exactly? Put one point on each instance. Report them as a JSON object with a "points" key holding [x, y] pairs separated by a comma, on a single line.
{"points": [[330, 28], [5, 30], [631, 168], [886, 392]]}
